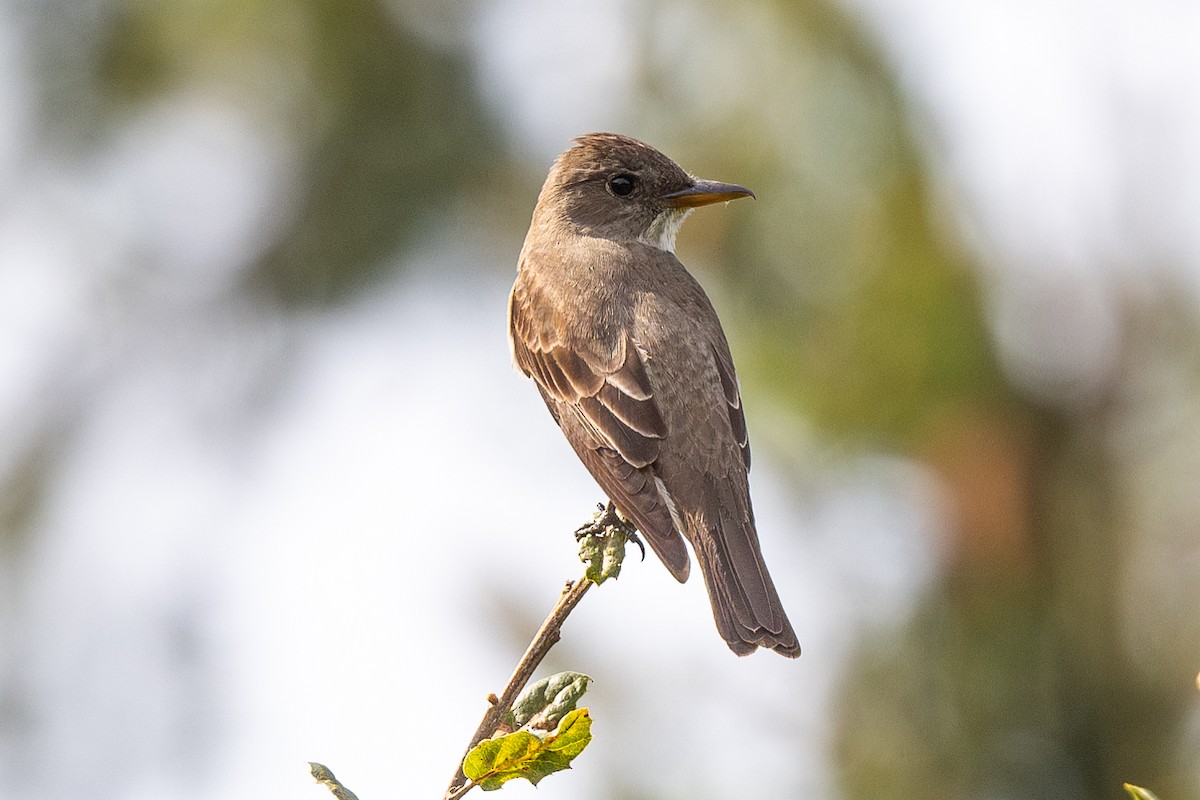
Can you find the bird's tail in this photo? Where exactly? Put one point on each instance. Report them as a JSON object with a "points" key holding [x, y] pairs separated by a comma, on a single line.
{"points": [[745, 604]]}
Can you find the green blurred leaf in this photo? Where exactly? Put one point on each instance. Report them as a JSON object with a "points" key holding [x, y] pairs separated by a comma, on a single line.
{"points": [[496, 761], [546, 702], [385, 127], [1138, 793]]}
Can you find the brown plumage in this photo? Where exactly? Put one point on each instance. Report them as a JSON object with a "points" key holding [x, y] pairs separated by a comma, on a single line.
{"points": [[630, 358]]}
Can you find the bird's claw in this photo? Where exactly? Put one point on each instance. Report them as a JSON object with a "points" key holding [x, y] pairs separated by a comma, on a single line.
{"points": [[632, 535]]}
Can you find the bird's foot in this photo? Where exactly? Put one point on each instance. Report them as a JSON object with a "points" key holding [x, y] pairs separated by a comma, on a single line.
{"points": [[597, 524]]}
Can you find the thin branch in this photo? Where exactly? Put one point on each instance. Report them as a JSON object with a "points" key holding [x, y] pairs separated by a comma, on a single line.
{"points": [[547, 636], [602, 549], [460, 791]]}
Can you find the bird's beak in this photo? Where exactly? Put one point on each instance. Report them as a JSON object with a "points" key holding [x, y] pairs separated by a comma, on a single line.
{"points": [[702, 192]]}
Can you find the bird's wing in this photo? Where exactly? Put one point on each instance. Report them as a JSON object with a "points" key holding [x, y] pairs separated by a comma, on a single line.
{"points": [[606, 409], [733, 399]]}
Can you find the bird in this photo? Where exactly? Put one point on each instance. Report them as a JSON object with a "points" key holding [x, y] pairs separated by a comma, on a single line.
{"points": [[629, 356]]}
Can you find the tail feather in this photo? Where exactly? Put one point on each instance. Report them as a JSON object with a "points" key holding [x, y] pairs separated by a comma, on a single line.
{"points": [[746, 605]]}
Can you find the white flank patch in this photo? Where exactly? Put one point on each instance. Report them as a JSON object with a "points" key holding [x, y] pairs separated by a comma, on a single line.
{"points": [[670, 501]]}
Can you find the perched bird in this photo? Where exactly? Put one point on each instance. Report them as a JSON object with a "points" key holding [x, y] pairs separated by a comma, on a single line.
{"points": [[630, 358]]}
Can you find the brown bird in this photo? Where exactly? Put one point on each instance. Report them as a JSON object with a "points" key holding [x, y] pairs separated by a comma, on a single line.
{"points": [[629, 356]]}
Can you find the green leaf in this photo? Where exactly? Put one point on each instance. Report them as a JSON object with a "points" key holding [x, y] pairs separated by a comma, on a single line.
{"points": [[569, 740], [1138, 793], [603, 553], [324, 776], [546, 702], [494, 762]]}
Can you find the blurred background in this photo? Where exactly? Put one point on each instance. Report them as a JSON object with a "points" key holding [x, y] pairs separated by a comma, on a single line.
{"points": [[271, 492]]}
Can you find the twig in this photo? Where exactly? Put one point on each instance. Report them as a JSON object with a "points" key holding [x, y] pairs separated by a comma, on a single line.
{"points": [[547, 636], [460, 791], [602, 550]]}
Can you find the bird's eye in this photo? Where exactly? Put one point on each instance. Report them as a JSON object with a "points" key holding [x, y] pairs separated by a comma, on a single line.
{"points": [[622, 185]]}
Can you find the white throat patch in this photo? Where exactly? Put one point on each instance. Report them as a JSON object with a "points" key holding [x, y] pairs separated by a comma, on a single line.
{"points": [[663, 230]]}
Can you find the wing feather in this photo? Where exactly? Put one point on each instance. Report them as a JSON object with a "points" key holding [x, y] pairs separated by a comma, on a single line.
{"points": [[606, 409], [733, 399]]}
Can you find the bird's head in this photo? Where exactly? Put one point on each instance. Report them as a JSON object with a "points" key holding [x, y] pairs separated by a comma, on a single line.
{"points": [[618, 188]]}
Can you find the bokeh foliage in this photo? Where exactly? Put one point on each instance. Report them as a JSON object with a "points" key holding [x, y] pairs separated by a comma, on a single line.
{"points": [[388, 127]]}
